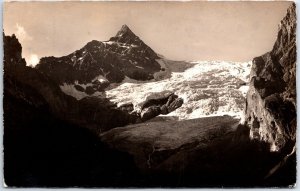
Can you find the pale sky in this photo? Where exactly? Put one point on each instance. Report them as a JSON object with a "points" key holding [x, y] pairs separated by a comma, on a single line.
{"points": [[230, 31]]}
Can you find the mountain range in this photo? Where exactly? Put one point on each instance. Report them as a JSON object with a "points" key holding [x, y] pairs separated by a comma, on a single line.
{"points": [[93, 118]]}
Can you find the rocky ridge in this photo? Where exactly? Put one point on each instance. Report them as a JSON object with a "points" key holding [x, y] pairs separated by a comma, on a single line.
{"points": [[271, 99]]}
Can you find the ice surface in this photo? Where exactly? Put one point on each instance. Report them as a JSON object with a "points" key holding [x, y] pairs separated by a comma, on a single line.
{"points": [[209, 88]]}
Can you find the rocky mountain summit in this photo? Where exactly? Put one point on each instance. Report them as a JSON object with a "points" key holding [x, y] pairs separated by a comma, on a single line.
{"points": [[96, 65], [271, 99]]}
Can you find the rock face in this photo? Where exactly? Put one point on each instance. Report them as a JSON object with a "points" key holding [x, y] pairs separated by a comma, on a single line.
{"points": [[155, 104], [271, 99], [98, 63], [162, 103], [13, 53]]}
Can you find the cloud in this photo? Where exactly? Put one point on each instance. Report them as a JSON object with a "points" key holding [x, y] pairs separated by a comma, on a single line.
{"points": [[33, 60], [21, 33]]}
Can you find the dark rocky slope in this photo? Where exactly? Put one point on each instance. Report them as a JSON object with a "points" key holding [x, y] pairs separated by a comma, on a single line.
{"points": [[93, 113], [205, 152], [123, 55], [50, 139], [271, 99], [42, 150], [41, 147]]}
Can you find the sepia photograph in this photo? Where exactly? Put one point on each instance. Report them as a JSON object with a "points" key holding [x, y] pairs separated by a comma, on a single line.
{"points": [[149, 94]]}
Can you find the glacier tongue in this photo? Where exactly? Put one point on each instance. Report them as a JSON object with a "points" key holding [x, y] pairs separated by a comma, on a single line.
{"points": [[209, 88]]}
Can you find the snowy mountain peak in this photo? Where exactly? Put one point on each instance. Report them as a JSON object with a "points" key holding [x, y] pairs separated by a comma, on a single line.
{"points": [[124, 55]]}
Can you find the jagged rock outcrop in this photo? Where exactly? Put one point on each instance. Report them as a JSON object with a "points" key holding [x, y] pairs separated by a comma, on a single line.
{"points": [[13, 53], [271, 99], [154, 105], [97, 64], [161, 104]]}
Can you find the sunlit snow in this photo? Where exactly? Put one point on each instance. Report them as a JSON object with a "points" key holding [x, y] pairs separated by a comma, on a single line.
{"points": [[70, 89], [33, 60], [208, 88], [101, 79]]}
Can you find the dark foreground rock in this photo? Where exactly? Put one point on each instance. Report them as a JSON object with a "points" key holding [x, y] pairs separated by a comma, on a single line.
{"points": [[151, 139], [41, 150], [271, 99], [206, 152]]}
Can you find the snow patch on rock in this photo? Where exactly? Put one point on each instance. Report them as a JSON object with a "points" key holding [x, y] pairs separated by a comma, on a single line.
{"points": [[101, 79], [70, 90]]}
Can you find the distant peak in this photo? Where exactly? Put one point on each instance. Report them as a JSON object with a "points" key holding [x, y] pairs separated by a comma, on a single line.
{"points": [[124, 35], [125, 30]]}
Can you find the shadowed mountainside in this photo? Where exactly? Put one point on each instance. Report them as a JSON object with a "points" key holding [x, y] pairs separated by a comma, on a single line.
{"points": [[40, 148], [50, 137], [271, 99]]}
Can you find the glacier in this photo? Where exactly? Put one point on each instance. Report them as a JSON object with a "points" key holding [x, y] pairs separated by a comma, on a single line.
{"points": [[209, 88]]}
